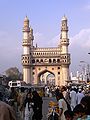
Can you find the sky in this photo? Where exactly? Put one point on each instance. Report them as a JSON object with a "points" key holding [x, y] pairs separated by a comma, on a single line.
{"points": [[45, 19]]}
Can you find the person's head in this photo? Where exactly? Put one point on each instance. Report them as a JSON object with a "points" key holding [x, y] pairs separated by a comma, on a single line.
{"points": [[29, 95], [68, 115], [79, 90], [59, 95], [63, 88], [85, 102], [22, 89], [35, 94], [78, 111], [12, 89]]}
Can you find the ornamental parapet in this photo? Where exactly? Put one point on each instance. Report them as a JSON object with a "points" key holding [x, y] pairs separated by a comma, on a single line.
{"points": [[26, 29], [64, 28]]}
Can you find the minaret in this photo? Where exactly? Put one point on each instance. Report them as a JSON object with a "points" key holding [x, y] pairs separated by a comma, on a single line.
{"points": [[31, 36], [65, 56], [26, 52]]}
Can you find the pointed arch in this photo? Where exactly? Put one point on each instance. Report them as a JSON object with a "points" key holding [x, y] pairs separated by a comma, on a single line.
{"points": [[42, 72]]}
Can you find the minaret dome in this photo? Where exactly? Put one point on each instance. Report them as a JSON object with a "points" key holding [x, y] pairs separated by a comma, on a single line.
{"points": [[26, 22], [64, 18], [26, 19]]}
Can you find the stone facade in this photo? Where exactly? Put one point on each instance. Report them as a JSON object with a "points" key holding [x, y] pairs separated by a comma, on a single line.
{"points": [[37, 61]]}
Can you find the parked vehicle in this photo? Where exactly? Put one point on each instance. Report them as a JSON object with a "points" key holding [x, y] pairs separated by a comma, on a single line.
{"points": [[17, 83]]}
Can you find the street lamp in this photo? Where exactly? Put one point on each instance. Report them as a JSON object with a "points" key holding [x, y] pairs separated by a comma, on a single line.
{"points": [[89, 70]]}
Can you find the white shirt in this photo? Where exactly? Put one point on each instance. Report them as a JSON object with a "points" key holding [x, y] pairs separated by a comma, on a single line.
{"points": [[73, 98], [79, 96], [62, 105], [28, 113]]}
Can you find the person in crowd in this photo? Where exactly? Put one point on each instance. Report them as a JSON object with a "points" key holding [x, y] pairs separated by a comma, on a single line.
{"points": [[21, 100], [56, 91], [28, 107], [6, 111], [13, 99], [68, 115], [68, 96], [64, 91], [73, 98], [79, 112], [79, 96], [85, 102], [37, 108], [48, 91], [62, 105]]}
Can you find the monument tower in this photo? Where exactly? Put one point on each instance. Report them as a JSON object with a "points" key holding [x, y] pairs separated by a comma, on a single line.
{"points": [[53, 60]]}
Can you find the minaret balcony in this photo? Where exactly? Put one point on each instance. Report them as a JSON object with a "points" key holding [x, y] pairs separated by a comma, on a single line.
{"points": [[26, 42], [64, 28], [25, 63], [26, 29], [64, 43]]}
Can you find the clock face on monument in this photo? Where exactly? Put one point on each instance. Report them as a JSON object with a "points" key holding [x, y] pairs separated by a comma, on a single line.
{"points": [[46, 60]]}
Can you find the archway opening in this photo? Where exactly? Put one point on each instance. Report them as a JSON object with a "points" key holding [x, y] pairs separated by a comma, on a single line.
{"points": [[46, 78]]}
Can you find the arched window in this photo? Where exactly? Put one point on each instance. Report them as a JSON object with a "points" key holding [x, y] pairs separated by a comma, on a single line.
{"points": [[41, 60], [33, 61], [37, 60], [58, 60], [58, 67], [54, 61], [25, 61], [58, 73], [50, 60]]}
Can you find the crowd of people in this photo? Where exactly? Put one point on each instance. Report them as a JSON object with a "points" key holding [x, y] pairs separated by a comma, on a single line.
{"points": [[73, 103], [24, 104], [21, 104]]}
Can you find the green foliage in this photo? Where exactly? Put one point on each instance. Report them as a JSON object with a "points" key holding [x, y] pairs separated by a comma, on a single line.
{"points": [[13, 73]]}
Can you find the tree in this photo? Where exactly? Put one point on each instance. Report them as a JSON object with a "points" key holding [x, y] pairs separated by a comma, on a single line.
{"points": [[13, 73]]}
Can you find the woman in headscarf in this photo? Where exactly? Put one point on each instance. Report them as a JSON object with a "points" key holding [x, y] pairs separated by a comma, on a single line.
{"points": [[37, 108], [62, 104], [28, 104]]}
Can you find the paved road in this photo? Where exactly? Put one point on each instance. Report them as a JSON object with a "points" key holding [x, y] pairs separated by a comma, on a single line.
{"points": [[46, 101]]}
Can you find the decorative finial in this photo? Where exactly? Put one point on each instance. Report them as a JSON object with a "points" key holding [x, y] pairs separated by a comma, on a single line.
{"points": [[26, 18], [64, 17]]}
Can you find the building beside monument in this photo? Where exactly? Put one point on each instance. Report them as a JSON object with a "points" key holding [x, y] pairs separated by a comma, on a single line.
{"points": [[39, 63]]}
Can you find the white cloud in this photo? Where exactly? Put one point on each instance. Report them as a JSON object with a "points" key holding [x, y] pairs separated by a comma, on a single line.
{"points": [[87, 7], [55, 41], [44, 42], [38, 39], [79, 48], [81, 39]]}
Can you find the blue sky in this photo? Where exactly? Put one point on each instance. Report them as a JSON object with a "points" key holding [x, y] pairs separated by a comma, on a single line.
{"points": [[45, 18]]}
